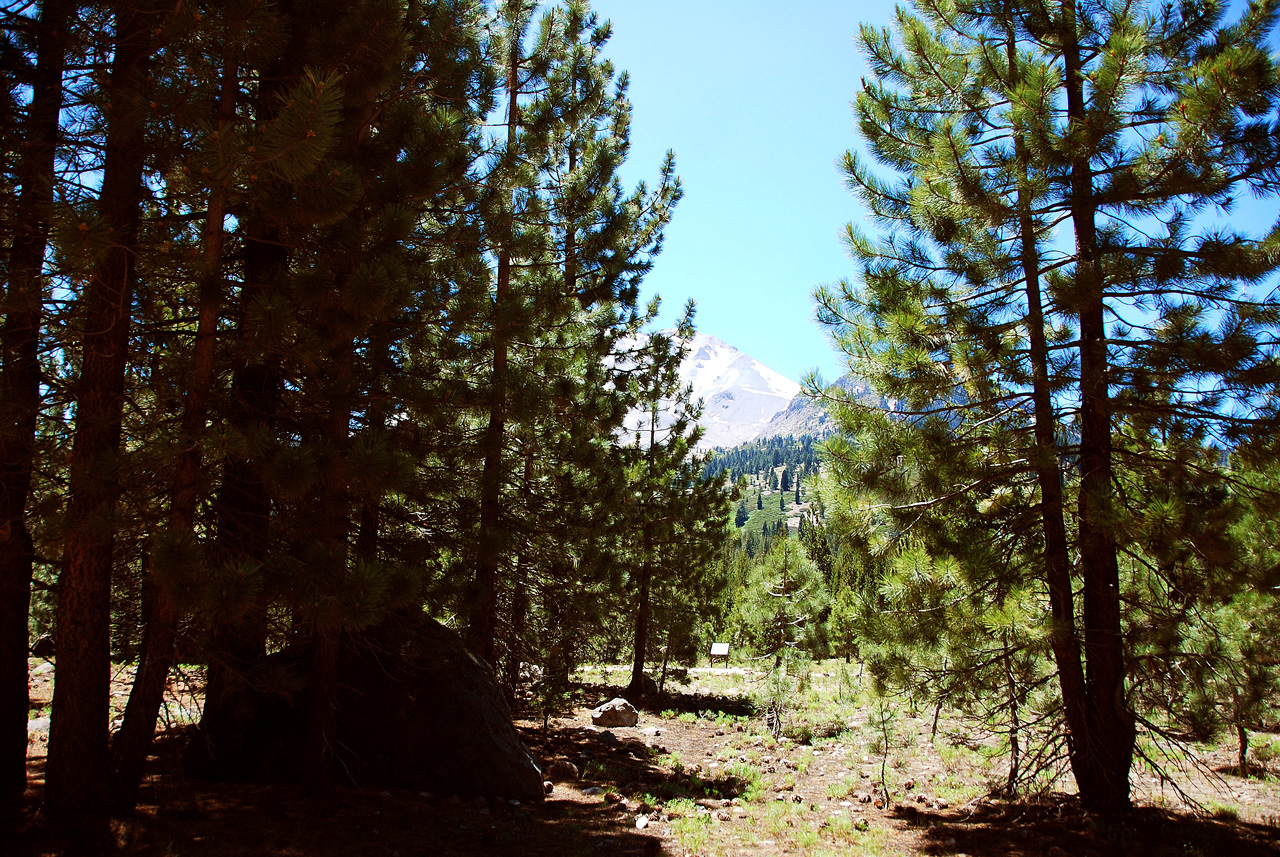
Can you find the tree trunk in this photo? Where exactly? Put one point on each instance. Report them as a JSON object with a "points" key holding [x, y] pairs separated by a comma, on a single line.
{"points": [[243, 504], [643, 609], [334, 508], [643, 613], [1100, 757], [20, 390], [482, 628], [77, 774], [1064, 639], [131, 744], [322, 721]]}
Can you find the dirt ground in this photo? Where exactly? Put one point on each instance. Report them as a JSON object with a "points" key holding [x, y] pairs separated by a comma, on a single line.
{"points": [[699, 774]]}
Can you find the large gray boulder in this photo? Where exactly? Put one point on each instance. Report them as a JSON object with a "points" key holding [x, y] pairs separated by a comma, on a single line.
{"points": [[415, 709], [615, 712]]}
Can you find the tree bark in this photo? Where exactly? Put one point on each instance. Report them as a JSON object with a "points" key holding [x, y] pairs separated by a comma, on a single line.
{"points": [[643, 608], [131, 744], [1102, 756], [1065, 639], [77, 774], [482, 629], [20, 389]]}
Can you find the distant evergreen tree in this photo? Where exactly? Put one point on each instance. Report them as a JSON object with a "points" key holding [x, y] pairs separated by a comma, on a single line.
{"points": [[813, 536], [780, 604], [741, 515]]}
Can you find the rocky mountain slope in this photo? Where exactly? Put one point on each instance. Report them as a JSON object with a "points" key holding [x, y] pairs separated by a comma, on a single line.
{"points": [[805, 416], [740, 394]]}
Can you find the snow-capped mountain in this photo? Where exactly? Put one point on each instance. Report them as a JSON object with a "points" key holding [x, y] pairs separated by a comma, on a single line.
{"points": [[740, 394], [742, 398]]}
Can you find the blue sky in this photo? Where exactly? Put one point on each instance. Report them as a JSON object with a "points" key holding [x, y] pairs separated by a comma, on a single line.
{"points": [[753, 97]]}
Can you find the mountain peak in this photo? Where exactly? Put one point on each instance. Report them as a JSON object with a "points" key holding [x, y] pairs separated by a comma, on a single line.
{"points": [[740, 394]]}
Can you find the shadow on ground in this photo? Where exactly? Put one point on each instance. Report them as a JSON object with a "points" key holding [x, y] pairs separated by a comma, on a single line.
{"points": [[681, 702], [179, 816], [1057, 826]]}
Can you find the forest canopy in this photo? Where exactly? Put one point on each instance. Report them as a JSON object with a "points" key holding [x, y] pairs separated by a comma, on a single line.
{"points": [[315, 314]]}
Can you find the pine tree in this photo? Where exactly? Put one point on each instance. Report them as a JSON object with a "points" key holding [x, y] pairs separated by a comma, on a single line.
{"points": [[289, 191], [780, 604], [680, 515], [20, 377], [78, 764], [961, 317], [215, 151], [295, 116], [570, 249]]}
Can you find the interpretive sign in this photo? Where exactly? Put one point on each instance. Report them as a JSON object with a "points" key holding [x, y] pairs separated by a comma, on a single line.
{"points": [[719, 650]]}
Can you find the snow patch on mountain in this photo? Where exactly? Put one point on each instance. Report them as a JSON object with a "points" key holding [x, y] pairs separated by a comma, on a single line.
{"points": [[740, 394]]}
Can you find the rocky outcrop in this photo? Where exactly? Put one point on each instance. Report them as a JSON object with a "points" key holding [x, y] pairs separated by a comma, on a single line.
{"points": [[804, 416], [415, 710]]}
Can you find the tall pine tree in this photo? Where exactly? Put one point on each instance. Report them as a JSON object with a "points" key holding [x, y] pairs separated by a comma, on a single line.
{"points": [[1016, 128], [46, 39], [569, 249]]}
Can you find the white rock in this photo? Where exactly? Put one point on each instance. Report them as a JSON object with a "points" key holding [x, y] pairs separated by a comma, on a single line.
{"points": [[615, 712]]}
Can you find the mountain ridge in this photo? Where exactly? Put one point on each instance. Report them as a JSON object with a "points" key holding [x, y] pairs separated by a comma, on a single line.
{"points": [[745, 400], [740, 395]]}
